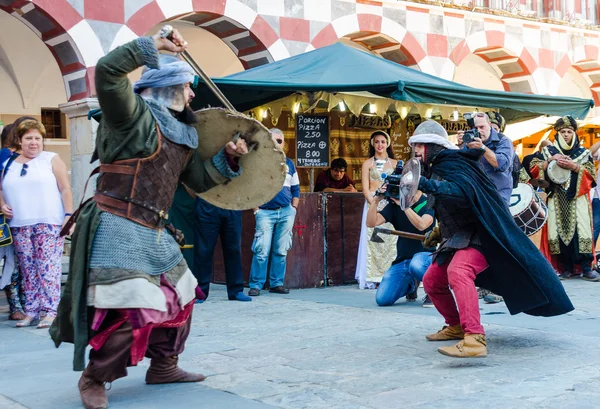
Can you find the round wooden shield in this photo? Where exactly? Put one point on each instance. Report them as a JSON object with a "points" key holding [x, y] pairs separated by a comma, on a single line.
{"points": [[263, 168]]}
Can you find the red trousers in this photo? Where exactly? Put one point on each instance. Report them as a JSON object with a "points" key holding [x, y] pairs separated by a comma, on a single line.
{"points": [[111, 361], [459, 273]]}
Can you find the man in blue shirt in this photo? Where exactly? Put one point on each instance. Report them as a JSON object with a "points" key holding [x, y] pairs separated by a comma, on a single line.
{"points": [[498, 154], [274, 231]]}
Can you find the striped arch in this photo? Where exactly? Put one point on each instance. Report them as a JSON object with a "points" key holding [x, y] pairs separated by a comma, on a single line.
{"points": [[55, 23], [586, 62], [380, 35], [247, 34], [513, 64]]}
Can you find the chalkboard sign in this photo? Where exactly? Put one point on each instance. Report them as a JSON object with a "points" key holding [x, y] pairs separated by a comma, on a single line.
{"points": [[312, 141]]}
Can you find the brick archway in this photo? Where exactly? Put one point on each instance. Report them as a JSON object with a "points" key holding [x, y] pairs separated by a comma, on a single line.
{"points": [[514, 65], [54, 23], [379, 34], [587, 64], [246, 33]]}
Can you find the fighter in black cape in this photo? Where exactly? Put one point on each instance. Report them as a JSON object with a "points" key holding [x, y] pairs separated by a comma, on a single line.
{"points": [[480, 245]]}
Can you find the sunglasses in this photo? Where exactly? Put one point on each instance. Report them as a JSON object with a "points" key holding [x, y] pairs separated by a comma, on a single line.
{"points": [[24, 170]]}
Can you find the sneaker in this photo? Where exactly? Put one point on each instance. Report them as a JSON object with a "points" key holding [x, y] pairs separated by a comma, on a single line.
{"points": [[241, 297], [254, 292], [590, 275], [565, 275], [482, 292], [427, 302], [492, 298], [412, 296]]}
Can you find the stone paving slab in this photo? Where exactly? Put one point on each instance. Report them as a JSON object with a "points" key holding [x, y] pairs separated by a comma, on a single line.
{"points": [[334, 348]]}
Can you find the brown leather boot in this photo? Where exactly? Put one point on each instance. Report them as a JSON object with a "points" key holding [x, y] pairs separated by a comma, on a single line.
{"points": [[165, 370], [446, 333], [473, 346], [93, 394]]}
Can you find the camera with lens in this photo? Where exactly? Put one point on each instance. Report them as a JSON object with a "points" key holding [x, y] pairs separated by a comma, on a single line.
{"points": [[472, 133], [392, 182]]}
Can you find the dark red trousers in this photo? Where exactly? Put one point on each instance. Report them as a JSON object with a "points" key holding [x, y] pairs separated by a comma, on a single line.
{"points": [[110, 362]]}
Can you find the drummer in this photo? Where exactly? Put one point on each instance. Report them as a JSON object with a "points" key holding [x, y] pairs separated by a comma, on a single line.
{"points": [[569, 224]]}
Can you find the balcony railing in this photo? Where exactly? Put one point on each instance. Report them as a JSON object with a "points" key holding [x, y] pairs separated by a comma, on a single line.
{"points": [[582, 13]]}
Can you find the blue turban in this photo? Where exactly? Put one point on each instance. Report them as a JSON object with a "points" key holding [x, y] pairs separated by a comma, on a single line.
{"points": [[172, 71]]}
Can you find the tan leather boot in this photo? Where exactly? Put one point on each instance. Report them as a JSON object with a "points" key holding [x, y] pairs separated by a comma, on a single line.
{"points": [[165, 370], [93, 394], [473, 346], [446, 333]]}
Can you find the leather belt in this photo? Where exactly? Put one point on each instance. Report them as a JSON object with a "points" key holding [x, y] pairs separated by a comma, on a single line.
{"points": [[118, 202]]}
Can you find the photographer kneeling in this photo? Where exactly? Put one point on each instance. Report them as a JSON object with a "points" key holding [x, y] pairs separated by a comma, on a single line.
{"points": [[412, 260]]}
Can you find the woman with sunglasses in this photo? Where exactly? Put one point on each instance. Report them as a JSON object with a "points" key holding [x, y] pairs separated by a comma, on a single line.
{"points": [[37, 198]]}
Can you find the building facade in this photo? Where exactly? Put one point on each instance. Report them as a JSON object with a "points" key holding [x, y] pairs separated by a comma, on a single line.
{"points": [[49, 48]]}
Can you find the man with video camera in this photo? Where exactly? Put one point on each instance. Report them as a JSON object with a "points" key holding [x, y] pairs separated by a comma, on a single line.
{"points": [[412, 259], [498, 152]]}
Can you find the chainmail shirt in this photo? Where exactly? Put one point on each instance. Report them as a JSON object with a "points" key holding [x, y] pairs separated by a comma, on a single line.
{"points": [[122, 244]]}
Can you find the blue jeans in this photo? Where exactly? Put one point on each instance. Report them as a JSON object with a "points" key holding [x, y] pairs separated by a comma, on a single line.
{"points": [[596, 215], [272, 240], [399, 279]]}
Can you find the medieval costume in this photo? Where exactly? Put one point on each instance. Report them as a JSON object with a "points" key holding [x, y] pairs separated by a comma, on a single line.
{"points": [[129, 292], [498, 120], [568, 232], [480, 245]]}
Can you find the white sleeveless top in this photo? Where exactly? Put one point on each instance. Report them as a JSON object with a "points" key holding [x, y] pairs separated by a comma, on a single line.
{"points": [[34, 197]]}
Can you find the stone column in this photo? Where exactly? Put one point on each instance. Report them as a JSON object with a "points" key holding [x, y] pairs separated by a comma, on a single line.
{"points": [[82, 133]]}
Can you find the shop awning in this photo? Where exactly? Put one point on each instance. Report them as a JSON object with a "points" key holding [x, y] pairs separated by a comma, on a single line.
{"points": [[532, 128], [341, 68]]}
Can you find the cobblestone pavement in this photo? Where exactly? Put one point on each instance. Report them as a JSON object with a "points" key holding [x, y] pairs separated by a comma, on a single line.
{"points": [[334, 348]]}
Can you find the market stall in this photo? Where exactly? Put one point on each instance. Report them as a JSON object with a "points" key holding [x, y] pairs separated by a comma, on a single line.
{"points": [[354, 93]]}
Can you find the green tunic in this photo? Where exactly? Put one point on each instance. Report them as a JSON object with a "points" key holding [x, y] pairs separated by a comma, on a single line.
{"points": [[127, 130]]}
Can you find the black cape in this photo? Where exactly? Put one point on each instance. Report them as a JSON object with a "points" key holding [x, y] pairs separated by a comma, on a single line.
{"points": [[517, 269]]}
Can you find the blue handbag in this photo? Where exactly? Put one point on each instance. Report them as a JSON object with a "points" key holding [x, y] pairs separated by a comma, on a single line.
{"points": [[5, 234], [6, 238]]}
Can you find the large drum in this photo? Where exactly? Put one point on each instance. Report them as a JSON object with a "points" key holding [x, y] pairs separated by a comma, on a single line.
{"points": [[557, 174], [527, 209]]}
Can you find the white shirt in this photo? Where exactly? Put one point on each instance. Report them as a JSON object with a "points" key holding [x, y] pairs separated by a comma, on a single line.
{"points": [[33, 197]]}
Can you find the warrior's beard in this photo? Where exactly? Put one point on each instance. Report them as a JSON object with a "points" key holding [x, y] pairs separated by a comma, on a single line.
{"points": [[186, 116]]}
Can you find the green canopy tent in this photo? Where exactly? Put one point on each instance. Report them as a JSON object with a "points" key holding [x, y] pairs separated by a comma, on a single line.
{"points": [[341, 68]]}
